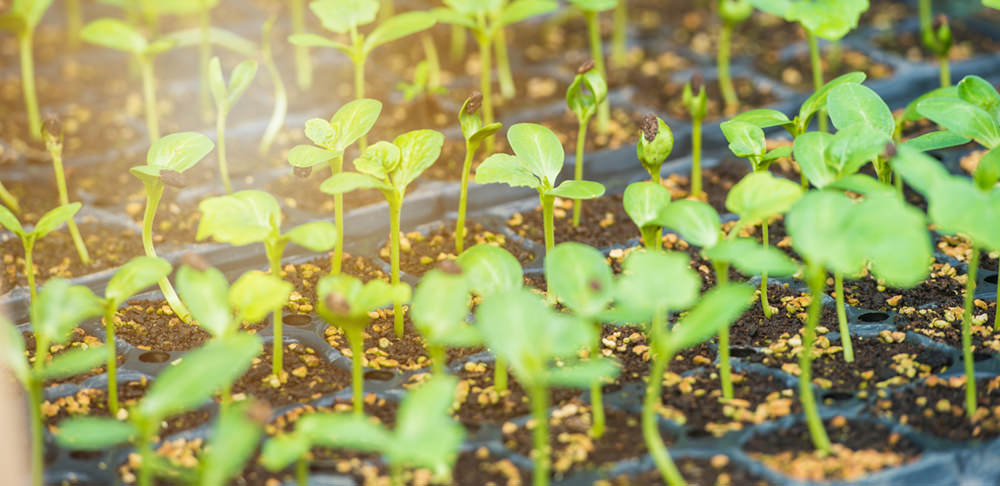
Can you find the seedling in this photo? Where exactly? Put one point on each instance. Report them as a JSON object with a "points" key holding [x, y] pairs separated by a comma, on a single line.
{"points": [[118, 35], [225, 97], [732, 13], [439, 311], [695, 100], [584, 96], [591, 12], [53, 134], [474, 133], [254, 217], [646, 203], [619, 34], [519, 326], [538, 159], [9, 199], [351, 122], [303, 61], [59, 308], [345, 302], [653, 285], [425, 435], [182, 387], [936, 35], [346, 18], [390, 168], [45, 225], [656, 141], [166, 162], [21, 20], [421, 85]]}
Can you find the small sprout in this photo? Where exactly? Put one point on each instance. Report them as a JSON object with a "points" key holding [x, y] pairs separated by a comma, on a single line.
{"points": [[696, 102], [474, 133], [225, 97], [584, 96], [53, 134], [21, 19], [656, 141], [591, 13], [733, 13], [48, 223]]}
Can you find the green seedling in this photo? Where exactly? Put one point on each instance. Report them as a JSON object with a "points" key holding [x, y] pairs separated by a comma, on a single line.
{"points": [[732, 13], [118, 35], [835, 233], [21, 19], [653, 285], [957, 205], [53, 134], [254, 217], [59, 308], [48, 223], [303, 61], [587, 92], [646, 203], [591, 13], [474, 132], [390, 168], [538, 159], [695, 100], [505, 78], [936, 36], [491, 270], [351, 122], [932, 140], [425, 435], [9, 199], [486, 19], [656, 141], [346, 17], [130, 279], [225, 97], [439, 311], [519, 326], [581, 279], [345, 302], [166, 162], [421, 86], [182, 387], [619, 34]]}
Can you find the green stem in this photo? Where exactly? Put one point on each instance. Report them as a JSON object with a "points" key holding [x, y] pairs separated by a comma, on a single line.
{"points": [[359, 92], [74, 22], [153, 195], [817, 71], [996, 311], [926, 21], [597, 395], [486, 85], [439, 359], [542, 449], [652, 237], [967, 359], [338, 209], [463, 197], [57, 165], [725, 365], [355, 339], [945, 70], [302, 471], [548, 203], [274, 251], [29, 267], [280, 95], [459, 39], [205, 56], [696, 158], [764, 304], [817, 279], [220, 132], [835, 55], [651, 402], [9, 199], [504, 76], [28, 83], [619, 37], [725, 79], [597, 51], [303, 62], [581, 144], [149, 95], [433, 63], [845, 332], [146, 457], [37, 436], [109, 341], [396, 474], [500, 374], [395, 208]]}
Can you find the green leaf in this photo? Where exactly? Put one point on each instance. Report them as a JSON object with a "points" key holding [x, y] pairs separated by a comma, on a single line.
{"points": [[764, 118], [341, 16], [115, 34], [483, 133], [139, 273], [256, 294], [810, 154], [60, 307], [957, 206], [864, 185], [594, 5], [936, 141], [199, 374], [818, 100], [9, 220], [962, 118], [317, 236], [240, 80], [853, 147], [490, 269], [583, 374], [73, 362], [217, 82], [716, 309], [981, 93], [820, 227], [54, 218], [751, 258], [654, 281], [379, 160], [988, 172], [205, 293], [506, 169], [440, 305], [350, 181], [896, 240], [745, 139], [282, 450], [361, 298], [760, 195], [353, 120], [910, 114], [94, 433], [520, 10], [918, 169], [179, 151], [240, 218], [419, 149], [775, 7], [425, 434], [829, 19], [234, 440], [29, 11], [12, 351], [646, 203], [397, 27], [578, 190], [539, 150], [345, 431], [580, 277], [583, 102], [850, 103], [310, 156], [697, 222], [313, 40]]}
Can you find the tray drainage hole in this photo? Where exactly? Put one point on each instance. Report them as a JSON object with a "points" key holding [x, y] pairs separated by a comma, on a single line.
{"points": [[379, 375], [837, 396], [740, 352], [992, 279], [85, 456], [154, 357], [296, 320], [980, 356], [873, 317]]}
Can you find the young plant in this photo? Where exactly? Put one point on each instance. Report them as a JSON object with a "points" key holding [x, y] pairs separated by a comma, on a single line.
{"points": [[21, 19], [166, 162], [653, 285], [254, 216], [421, 85], [351, 122], [303, 61], [591, 12], [538, 159], [732, 13], [59, 308], [695, 100], [425, 435], [474, 132], [646, 203], [346, 18], [390, 168], [53, 134], [45, 225], [936, 36], [656, 141], [519, 326], [182, 387], [584, 96], [225, 97], [9, 199], [439, 311], [118, 35], [345, 302], [619, 34]]}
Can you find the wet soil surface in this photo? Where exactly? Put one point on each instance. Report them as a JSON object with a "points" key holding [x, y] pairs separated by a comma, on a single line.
{"points": [[937, 406]]}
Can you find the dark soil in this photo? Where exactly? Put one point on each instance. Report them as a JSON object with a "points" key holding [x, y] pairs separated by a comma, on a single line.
{"points": [[306, 377], [35, 196], [378, 408], [306, 275], [968, 43], [152, 325], [944, 288], [480, 403], [420, 253], [78, 339], [937, 406], [754, 329], [945, 326], [699, 472], [629, 346], [603, 223], [667, 97], [797, 71]]}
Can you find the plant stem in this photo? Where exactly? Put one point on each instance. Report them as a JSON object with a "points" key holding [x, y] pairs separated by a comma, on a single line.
{"points": [[359, 92], [355, 340], [817, 69], [396, 475], [395, 208], [725, 366], [74, 22], [220, 132], [504, 76], [816, 276], [967, 359], [542, 450], [458, 42], [581, 144], [597, 51], [945, 70], [996, 312], [149, 94], [153, 195], [433, 63], [29, 266], [109, 340], [303, 62], [548, 203], [274, 251], [764, 304], [55, 149], [205, 55], [37, 436], [725, 79], [280, 95], [463, 197], [500, 374], [439, 359], [652, 237], [486, 84], [28, 83], [9, 199], [845, 332], [338, 208], [146, 458], [619, 37], [696, 158], [651, 402], [302, 471], [597, 395], [926, 21]]}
